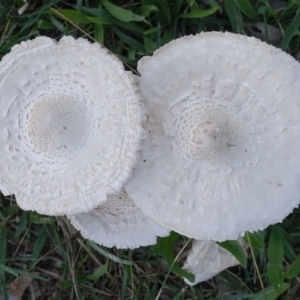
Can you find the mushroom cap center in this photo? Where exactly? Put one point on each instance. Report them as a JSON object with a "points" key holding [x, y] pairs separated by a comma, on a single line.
{"points": [[56, 124], [206, 131], [208, 134]]}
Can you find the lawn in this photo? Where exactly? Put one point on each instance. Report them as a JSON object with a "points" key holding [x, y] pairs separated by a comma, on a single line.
{"points": [[55, 262]]}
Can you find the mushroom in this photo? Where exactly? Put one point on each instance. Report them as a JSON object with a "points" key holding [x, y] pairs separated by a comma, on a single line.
{"points": [[221, 156], [206, 259], [118, 223], [70, 125]]}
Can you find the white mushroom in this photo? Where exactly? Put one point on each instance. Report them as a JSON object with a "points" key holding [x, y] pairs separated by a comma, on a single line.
{"points": [[118, 223], [70, 125], [206, 259], [222, 149]]}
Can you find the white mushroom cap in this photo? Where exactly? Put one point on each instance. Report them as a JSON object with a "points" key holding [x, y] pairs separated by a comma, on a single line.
{"points": [[222, 150], [118, 223], [70, 125], [206, 259]]}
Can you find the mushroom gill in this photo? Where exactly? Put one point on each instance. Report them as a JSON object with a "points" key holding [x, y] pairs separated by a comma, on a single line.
{"points": [[118, 223]]}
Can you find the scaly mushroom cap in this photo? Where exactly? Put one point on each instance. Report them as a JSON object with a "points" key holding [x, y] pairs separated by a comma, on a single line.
{"points": [[70, 125], [206, 259], [222, 150], [118, 223]]}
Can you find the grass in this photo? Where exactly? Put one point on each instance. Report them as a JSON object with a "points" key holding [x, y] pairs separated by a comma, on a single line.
{"points": [[60, 262]]}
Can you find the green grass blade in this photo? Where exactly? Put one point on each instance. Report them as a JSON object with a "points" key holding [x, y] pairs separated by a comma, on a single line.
{"points": [[293, 270], [29, 274], [163, 244], [106, 17], [236, 250], [256, 239], [149, 45], [44, 25], [165, 9], [6, 269], [122, 14], [129, 40], [99, 33], [275, 260], [38, 245], [3, 250], [128, 271], [124, 286], [247, 9], [234, 16], [98, 272], [35, 218], [200, 13], [270, 293], [164, 248], [293, 28], [109, 255], [57, 23], [72, 15], [146, 10], [79, 5], [22, 225]]}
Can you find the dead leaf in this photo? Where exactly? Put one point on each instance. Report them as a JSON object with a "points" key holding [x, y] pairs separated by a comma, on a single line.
{"points": [[17, 287]]}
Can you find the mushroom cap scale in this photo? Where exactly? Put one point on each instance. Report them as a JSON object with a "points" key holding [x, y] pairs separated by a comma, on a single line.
{"points": [[222, 136], [118, 223], [71, 122]]}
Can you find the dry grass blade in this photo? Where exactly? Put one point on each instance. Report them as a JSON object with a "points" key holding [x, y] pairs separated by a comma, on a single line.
{"points": [[170, 269], [256, 266]]}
